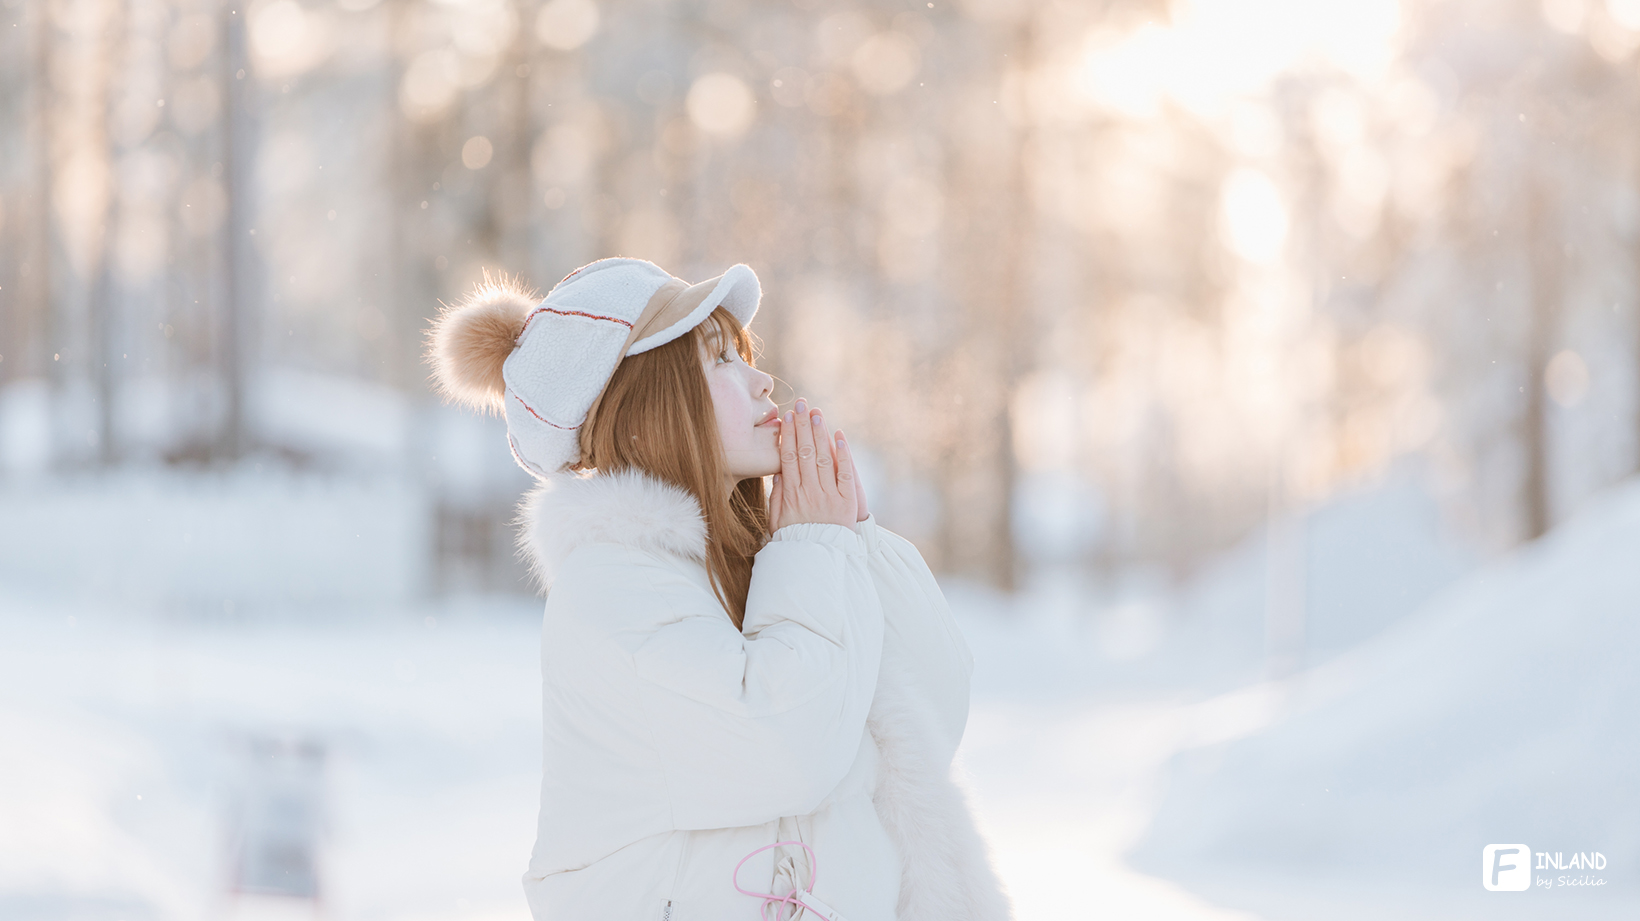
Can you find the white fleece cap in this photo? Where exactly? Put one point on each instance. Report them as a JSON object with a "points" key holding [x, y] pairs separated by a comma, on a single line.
{"points": [[574, 339]]}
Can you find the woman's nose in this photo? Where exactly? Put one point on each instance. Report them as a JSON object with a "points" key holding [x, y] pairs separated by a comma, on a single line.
{"points": [[765, 384]]}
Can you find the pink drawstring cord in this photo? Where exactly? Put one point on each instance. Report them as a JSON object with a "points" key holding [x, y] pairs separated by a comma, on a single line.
{"points": [[768, 899]]}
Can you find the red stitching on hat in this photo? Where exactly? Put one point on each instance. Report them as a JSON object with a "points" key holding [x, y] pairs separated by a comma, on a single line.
{"points": [[566, 428], [569, 313], [519, 457]]}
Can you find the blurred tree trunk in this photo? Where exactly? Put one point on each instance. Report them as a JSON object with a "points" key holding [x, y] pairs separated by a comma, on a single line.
{"points": [[415, 196], [102, 309], [52, 325], [1017, 323], [36, 300], [1545, 260], [414, 287], [238, 242], [1545, 263], [994, 334], [501, 234], [513, 147]]}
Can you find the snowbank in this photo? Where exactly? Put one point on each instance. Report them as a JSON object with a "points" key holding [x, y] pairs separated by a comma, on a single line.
{"points": [[1503, 712], [232, 541]]}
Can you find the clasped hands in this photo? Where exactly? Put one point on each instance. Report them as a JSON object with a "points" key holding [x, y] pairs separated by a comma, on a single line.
{"points": [[817, 481]]}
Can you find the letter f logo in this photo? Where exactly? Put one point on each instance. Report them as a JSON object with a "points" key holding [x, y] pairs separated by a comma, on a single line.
{"points": [[1506, 867]]}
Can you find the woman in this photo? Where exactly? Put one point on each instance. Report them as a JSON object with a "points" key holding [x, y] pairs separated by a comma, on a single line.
{"points": [[744, 695]]}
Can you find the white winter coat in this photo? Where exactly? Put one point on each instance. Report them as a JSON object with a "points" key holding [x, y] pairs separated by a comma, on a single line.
{"points": [[674, 745]]}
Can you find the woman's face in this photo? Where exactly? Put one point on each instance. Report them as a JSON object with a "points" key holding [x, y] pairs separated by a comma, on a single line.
{"points": [[745, 414]]}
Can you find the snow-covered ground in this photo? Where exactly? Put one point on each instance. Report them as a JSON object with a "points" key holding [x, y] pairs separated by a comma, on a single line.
{"points": [[125, 735], [125, 739], [1099, 724]]}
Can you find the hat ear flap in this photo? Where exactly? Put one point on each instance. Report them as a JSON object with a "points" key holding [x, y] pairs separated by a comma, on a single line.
{"points": [[470, 341]]}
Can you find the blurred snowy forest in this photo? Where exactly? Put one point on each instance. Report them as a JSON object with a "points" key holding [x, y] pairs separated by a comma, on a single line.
{"points": [[1103, 283], [1226, 358]]}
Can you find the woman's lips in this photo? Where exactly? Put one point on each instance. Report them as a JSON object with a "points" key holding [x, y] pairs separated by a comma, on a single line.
{"points": [[773, 415]]}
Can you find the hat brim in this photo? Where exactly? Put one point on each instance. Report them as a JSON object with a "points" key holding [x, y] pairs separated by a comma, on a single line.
{"points": [[737, 291]]}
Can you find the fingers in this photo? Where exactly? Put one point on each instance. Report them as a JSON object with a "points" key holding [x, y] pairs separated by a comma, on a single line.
{"points": [[808, 473], [788, 456], [817, 481], [825, 456], [847, 483]]}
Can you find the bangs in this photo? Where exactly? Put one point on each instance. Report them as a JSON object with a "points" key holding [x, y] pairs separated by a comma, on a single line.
{"points": [[721, 326]]}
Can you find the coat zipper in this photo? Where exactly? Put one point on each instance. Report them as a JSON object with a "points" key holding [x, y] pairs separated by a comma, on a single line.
{"points": [[667, 909]]}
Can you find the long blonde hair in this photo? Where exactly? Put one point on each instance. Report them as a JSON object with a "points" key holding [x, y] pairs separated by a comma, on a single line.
{"points": [[656, 416]]}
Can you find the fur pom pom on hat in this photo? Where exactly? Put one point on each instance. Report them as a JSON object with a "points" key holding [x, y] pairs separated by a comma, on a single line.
{"points": [[470, 340], [545, 364]]}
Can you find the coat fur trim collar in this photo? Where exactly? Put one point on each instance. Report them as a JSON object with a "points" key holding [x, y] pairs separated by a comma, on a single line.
{"points": [[945, 866], [626, 507]]}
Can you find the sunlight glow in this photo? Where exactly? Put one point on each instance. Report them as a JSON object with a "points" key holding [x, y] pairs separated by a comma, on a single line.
{"points": [[288, 40], [1625, 13], [1254, 216], [1216, 50]]}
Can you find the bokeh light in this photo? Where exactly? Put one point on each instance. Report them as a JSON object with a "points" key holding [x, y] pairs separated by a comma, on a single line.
{"points": [[721, 104], [565, 25]]}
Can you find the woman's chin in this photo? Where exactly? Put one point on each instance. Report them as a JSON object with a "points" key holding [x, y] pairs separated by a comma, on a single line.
{"points": [[754, 461], [756, 471]]}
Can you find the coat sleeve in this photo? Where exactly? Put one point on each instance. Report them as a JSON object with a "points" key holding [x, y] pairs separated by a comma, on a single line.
{"points": [[920, 634], [763, 723]]}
